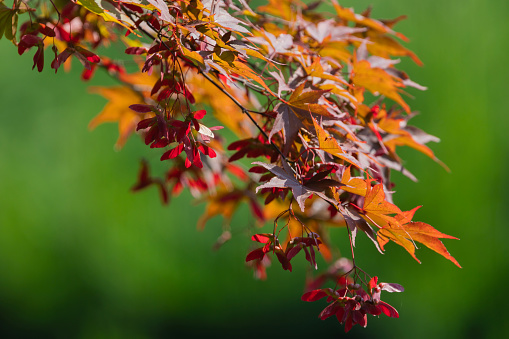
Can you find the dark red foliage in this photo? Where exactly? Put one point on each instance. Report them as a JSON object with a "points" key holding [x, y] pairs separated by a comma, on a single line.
{"points": [[351, 304], [28, 41]]}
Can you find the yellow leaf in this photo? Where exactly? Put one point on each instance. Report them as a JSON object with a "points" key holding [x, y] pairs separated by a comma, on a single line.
{"points": [[244, 71], [408, 141], [193, 56], [391, 125], [117, 110], [385, 46], [337, 50], [316, 70], [377, 80], [140, 3], [355, 185], [107, 11], [279, 8], [349, 15], [377, 209], [330, 145], [405, 236], [339, 91], [224, 203]]}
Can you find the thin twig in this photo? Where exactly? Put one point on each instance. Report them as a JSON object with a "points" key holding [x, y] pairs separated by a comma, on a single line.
{"points": [[243, 109], [246, 112]]}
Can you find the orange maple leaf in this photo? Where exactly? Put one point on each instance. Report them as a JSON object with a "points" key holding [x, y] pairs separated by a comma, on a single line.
{"points": [[379, 81], [406, 235], [117, 110], [355, 185], [330, 145], [377, 209], [385, 46], [407, 140], [224, 203]]}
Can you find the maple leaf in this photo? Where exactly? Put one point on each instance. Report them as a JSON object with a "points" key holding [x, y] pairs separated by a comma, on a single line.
{"points": [[193, 56], [409, 140], [163, 9], [117, 110], [349, 15], [385, 46], [280, 45], [328, 31], [243, 70], [355, 185], [224, 203], [380, 43], [282, 83], [107, 11], [222, 18], [401, 134], [317, 70], [330, 145], [337, 50], [286, 179], [378, 81], [405, 233], [279, 8], [377, 209], [330, 82], [8, 22], [138, 3], [295, 114]]}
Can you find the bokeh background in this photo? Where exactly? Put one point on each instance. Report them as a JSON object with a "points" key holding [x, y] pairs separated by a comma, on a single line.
{"points": [[82, 257]]}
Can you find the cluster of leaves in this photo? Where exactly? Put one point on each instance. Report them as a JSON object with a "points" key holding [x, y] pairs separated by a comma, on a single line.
{"points": [[351, 303], [316, 96]]}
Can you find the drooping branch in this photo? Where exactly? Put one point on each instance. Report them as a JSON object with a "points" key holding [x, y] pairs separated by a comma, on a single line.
{"points": [[322, 67]]}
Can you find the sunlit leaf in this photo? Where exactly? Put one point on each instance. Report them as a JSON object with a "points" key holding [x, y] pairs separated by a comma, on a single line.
{"points": [[117, 110]]}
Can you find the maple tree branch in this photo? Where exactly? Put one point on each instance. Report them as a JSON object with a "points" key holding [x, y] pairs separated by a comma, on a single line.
{"points": [[199, 41], [235, 101], [246, 112]]}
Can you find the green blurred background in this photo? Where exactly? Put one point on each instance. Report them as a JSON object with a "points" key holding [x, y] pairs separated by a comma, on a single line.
{"points": [[82, 257]]}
